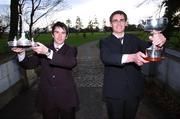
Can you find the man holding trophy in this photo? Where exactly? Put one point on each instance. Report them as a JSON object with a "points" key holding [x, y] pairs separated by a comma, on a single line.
{"points": [[57, 95], [122, 55]]}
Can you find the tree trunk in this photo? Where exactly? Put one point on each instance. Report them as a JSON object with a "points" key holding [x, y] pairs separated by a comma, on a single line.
{"points": [[20, 19], [13, 19]]}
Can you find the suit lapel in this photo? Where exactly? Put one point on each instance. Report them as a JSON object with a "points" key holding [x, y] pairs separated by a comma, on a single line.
{"points": [[114, 41], [126, 44], [63, 49]]}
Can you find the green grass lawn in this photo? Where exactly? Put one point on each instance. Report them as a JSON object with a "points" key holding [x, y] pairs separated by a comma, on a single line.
{"points": [[3, 44], [75, 39]]}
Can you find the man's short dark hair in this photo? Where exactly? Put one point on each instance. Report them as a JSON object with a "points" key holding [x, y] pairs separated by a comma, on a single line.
{"points": [[62, 25], [118, 12]]}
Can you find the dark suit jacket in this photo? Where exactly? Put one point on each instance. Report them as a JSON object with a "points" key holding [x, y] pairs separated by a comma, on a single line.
{"points": [[56, 85], [121, 80]]}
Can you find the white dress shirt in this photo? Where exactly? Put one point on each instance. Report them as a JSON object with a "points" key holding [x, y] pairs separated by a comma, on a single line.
{"points": [[57, 47], [124, 56]]}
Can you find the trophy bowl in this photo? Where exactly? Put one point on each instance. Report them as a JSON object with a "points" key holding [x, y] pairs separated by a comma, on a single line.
{"points": [[22, 42], [150, 24], [154, 53]]}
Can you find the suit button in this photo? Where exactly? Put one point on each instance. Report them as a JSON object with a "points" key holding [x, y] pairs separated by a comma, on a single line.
{"points": [[53, 76]]}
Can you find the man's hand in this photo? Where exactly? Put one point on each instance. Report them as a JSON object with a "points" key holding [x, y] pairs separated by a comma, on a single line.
{"points": [[157, 38], [40, 48], [137, 58], [18, 50]]}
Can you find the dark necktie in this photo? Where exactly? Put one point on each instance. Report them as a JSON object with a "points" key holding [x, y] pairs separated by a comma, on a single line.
{"points": [[57, 49], [120, 39]]}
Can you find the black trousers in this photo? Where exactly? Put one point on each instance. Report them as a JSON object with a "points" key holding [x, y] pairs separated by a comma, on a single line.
{"points": [[122, 108], [58, 113]]}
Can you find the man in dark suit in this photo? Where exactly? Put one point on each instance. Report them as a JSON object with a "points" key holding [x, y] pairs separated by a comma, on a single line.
{"points": [[57, 90], [122, 55]]}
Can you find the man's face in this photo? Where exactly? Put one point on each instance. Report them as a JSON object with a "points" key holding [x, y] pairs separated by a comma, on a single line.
{"points": [[118, 23], [59, 35]]}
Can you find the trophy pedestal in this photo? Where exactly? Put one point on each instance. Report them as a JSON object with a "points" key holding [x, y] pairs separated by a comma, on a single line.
{"points": [[153, 59]]}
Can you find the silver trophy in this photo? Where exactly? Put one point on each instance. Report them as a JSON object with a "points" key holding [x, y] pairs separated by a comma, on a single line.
{"points": [[154, 53], [22, 42]]}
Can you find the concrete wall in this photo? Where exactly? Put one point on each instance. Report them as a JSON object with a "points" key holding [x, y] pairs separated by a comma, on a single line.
{"points": [[167, 71], [13, 79], [9, 74]]}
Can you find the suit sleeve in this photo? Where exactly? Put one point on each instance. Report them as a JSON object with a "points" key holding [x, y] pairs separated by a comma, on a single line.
{"points": [[67, 60], [143, 45], [30, 61], [108, 57]]}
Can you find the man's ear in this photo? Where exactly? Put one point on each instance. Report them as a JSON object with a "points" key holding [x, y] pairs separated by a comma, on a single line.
{"points": [[66, 37], [52, 35], [110, 24]]}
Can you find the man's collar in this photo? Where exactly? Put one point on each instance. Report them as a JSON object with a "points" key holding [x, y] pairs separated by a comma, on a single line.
{"points": [[57, 46], [121, 39], [118, 35]]}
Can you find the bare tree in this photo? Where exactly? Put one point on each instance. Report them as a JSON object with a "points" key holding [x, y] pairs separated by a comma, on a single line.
{"points": [[4, 20], [157, 2], [95, 24], [144, 2], [68, 22], [172, 12], [90, 26], [78, 23], [104, 24], [37, 9]]}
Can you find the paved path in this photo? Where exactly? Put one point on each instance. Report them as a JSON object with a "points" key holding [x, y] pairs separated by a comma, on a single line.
{"points": [[88, 76]]}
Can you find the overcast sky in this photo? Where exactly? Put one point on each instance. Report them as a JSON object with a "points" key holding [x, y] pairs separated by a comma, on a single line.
{"points": [[101, 9]]}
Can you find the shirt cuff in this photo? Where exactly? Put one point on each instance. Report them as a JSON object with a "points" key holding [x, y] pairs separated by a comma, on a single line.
{"points": [[50, 56], [21, 56], [124, 58]]}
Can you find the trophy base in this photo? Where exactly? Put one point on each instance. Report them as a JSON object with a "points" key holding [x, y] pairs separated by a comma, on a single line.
{"points": [[153, 59], [21, 46]]}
